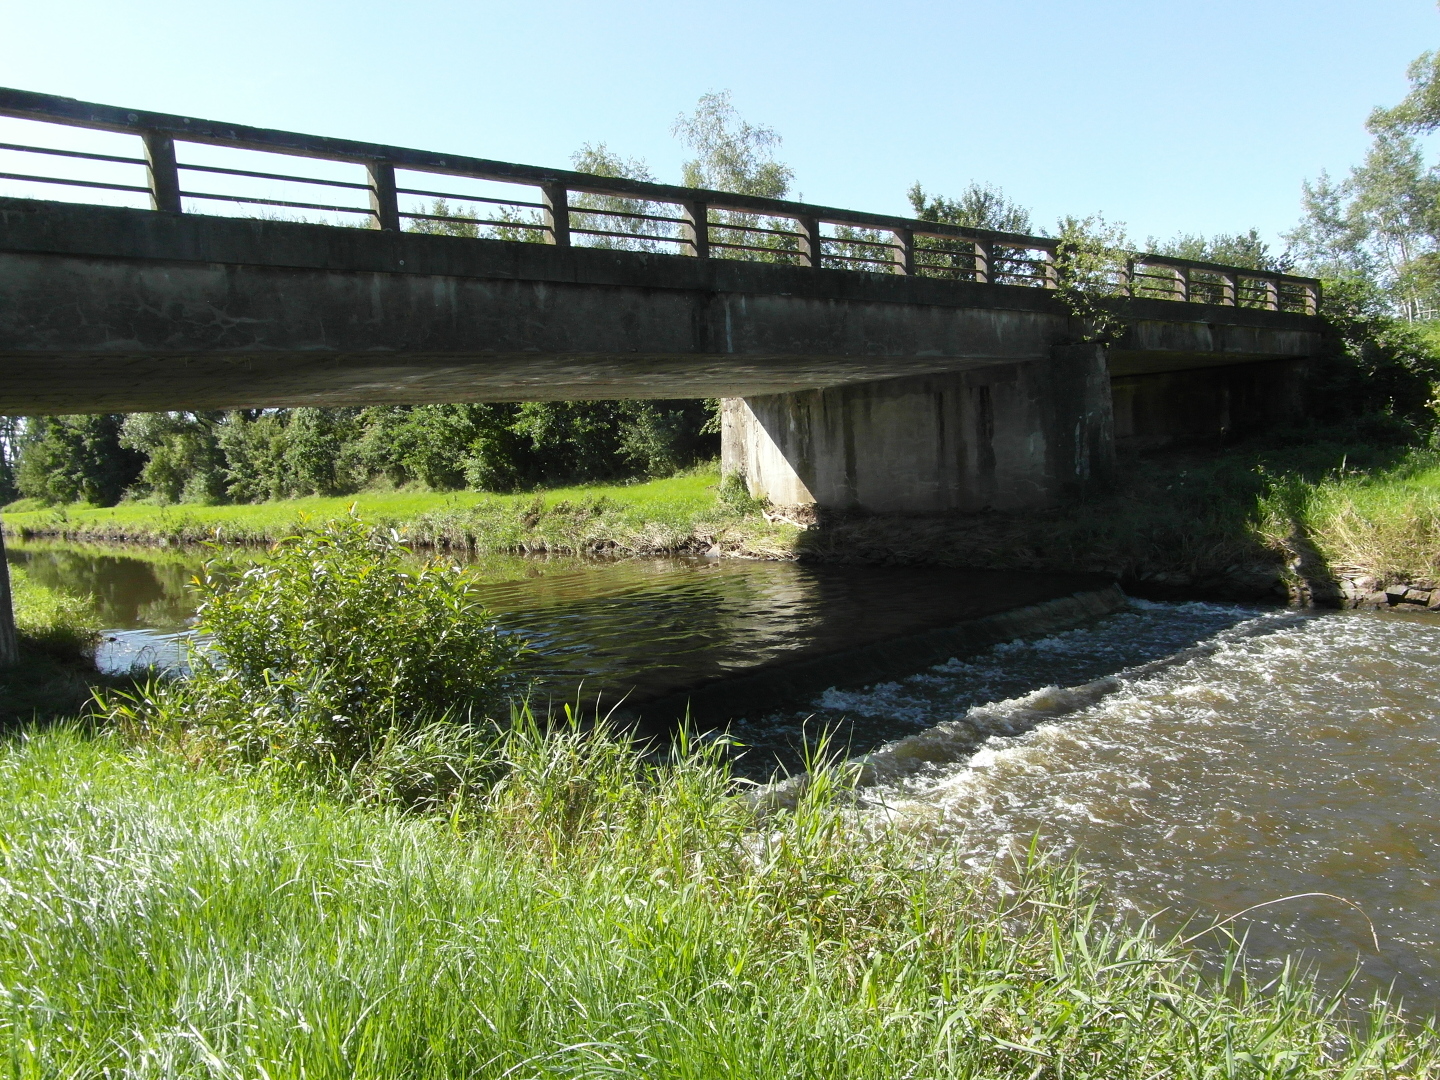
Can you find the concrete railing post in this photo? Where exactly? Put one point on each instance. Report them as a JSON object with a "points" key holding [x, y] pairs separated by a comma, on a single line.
{"points": [[1049, 268], [902, 252], [810, 244], [696, 228], [1127, 278], [1227, 289], [1312, 298], [384, 201], [9, 645], [1272, 294], [984, 262], [163, 171], [557, 214], [1182, 284]]}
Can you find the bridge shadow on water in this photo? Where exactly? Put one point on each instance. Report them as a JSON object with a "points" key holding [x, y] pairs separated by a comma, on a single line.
{"points": [[773, 652]]}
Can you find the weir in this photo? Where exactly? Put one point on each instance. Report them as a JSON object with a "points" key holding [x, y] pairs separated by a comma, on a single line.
{"points": [[868, 361]]}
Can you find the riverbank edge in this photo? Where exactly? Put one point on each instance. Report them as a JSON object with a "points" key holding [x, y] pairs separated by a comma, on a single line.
{"points": [[1287, 577], [1227, 526]]}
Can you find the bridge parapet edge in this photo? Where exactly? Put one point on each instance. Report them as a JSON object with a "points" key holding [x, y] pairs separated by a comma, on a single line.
{"points": [[614, 212]]}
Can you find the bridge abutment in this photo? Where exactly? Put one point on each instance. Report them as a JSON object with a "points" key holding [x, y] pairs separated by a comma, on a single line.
{"points": [[1015, 436]]}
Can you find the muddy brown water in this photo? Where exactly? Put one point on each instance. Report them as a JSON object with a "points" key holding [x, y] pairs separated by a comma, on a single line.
{"points": [[1196, 759]]}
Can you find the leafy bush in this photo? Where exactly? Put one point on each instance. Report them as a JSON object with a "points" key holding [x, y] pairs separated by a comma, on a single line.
{"points": [[337, 660]]}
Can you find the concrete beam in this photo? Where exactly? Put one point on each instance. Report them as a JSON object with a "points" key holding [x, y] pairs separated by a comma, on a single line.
{"points": [[105, 309]]}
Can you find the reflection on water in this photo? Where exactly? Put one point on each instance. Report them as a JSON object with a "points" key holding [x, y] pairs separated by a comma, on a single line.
{"points": [[1290, 754], [638, 629]]}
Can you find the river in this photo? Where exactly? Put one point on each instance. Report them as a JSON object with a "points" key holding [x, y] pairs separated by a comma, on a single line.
{"points": [[1196, 759]]}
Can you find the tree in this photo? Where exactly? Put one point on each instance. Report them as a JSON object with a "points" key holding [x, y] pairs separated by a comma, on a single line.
{"points": [[980, 206], [66, 459], [183, 458], [734, 155], [611, 214], [1382, 222], [10, 431], [731, 154], [1246, 250]]}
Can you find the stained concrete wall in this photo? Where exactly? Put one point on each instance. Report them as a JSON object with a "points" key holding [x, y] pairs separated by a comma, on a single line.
{"points": [[1007, 436]]}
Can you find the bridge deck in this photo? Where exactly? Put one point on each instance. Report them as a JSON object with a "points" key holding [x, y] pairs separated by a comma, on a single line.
{"points": [[636, 290]]}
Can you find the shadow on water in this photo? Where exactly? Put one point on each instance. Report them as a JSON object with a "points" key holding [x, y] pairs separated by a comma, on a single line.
{"points": [[653, 630]]}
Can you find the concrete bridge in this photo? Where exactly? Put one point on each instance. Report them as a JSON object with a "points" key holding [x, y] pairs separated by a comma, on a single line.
{"points": [[867, 361]]}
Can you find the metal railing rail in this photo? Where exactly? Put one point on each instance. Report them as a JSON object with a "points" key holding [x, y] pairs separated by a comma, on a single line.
{"points": [[694, 221]]}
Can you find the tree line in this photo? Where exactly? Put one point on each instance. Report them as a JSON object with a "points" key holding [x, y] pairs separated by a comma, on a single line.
{"points": [[1373, 237]]}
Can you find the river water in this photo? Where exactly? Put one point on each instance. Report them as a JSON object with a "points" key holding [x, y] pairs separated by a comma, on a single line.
{"points": [[1197, 759]]}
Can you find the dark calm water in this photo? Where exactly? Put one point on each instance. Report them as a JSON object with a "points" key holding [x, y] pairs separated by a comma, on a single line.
{"points": [[1196, 758]]}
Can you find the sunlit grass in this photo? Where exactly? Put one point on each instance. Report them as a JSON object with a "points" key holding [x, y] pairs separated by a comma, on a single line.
{"points": [[685, 494], [1384, 522], [593, 917]]}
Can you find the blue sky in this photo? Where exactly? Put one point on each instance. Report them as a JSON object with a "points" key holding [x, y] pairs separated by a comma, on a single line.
{"points": [[1166, 115]]}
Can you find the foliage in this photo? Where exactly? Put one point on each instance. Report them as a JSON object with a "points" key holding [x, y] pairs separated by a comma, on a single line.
{"points": [[980, 206], [732, 154], [256, 455], [1245, 250], [330, 657], [1382, 222], [184, 461], [638, 234], [11, 428], [75, 459], [1089, 267], [1373, 362]]}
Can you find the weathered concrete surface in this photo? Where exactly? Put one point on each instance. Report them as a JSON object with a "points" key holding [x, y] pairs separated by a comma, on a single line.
{"points": [[105, 309], [1004, 437]]}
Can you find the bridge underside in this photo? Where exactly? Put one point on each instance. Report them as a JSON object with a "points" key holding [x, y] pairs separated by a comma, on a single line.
{"points": [[851, 389]]}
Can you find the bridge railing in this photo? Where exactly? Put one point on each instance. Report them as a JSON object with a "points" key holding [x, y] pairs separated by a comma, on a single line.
{"points": [[181, 164]]}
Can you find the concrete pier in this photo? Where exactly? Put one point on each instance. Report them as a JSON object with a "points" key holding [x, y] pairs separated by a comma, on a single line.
{"points": [[1004, 437]]}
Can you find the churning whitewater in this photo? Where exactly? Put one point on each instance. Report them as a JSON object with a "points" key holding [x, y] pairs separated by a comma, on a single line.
{"points": [[1264, 754]]}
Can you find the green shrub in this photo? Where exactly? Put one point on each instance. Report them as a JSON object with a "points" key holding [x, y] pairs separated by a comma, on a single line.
{"points": [[338, 661]]}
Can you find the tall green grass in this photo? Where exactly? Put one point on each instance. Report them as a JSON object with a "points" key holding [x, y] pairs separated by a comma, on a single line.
{"points": [[1384, 523], [596, 915]]}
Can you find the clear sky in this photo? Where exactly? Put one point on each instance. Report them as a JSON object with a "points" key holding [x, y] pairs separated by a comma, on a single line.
{"points": [[1169, 116]]}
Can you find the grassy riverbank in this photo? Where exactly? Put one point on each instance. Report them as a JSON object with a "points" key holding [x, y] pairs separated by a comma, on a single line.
{"points": [[1231, 523], [682, 513], [591, 916]]}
